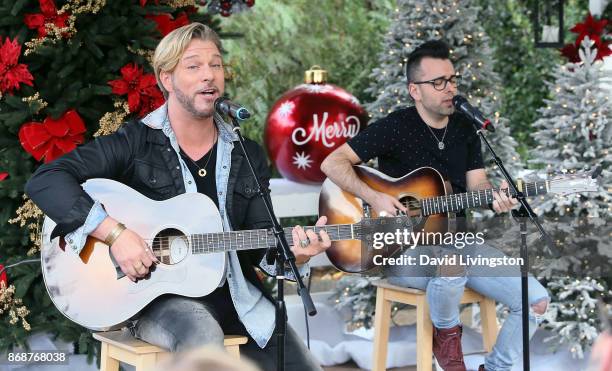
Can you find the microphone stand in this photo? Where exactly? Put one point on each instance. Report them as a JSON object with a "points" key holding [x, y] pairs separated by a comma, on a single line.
{"points": [[522, 214], [283, 255]]}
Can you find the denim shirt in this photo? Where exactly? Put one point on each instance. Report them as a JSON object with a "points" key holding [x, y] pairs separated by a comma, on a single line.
{"points": [[255, 312]]}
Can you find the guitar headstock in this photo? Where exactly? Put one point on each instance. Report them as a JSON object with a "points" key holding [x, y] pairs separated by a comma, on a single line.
{"points": [[575, 183]]}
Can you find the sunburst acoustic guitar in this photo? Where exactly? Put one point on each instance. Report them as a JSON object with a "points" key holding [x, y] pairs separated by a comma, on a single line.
{"points": [[430, 202]]}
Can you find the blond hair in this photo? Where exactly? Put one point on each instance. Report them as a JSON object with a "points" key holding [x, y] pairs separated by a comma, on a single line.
{"points": [[173, 45]]}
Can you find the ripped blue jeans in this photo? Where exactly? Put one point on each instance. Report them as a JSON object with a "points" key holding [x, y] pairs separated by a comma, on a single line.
{"points": [[503, 284]]}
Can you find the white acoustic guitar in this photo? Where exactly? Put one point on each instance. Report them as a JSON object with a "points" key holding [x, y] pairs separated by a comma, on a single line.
{"points": [[184, 232]]}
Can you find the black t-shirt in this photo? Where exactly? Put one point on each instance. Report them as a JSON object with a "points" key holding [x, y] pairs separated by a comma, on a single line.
{"points": [[402, 142], [207, 184], [219, 300]]}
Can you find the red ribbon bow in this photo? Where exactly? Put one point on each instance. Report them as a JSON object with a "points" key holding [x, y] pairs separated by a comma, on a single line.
{"points": [[52, 138]]}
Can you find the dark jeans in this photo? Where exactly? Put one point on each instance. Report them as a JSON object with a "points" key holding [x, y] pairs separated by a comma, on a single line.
{"points": [[179, 323]]}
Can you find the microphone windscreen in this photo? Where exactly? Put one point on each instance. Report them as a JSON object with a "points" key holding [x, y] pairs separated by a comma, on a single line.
{"points": [[458, 100], [218, 103]]}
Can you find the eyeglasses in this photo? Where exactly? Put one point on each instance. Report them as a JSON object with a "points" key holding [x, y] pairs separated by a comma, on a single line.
{"points": [[440, 82]]}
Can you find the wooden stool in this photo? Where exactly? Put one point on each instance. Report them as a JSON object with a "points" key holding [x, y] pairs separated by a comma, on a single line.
{"points": [[387, 293], [121, 346]]}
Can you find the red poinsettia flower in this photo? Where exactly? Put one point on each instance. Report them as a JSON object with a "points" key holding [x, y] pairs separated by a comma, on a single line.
{"points": [[141, 89], [167, 24], [570, 51], [3, 175], [52, 138], [48, 15], [603, 49], [3, 276], [12, 73], [590, 27], [150, 100], [594, 30]]}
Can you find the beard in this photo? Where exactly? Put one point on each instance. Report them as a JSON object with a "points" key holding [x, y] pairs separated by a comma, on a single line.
{"points": [[437, 108], [446, 111], [188, 103]]}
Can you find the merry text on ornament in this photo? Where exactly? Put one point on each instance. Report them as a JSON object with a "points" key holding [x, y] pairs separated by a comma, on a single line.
{"points": [[327, 133]]}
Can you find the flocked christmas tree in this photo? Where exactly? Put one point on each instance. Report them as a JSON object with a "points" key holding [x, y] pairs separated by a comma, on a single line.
{"points": [[574, 134], [457, 23]]}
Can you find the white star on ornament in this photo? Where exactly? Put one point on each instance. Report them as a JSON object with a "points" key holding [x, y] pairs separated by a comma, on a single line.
{"points": [[286, 108], [302, 160]]}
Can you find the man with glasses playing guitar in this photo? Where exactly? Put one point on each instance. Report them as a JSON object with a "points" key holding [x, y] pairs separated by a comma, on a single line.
{"points": [[431, 134]]}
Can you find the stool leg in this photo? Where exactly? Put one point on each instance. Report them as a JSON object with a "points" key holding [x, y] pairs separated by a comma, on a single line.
{"points": [[382, 319], [488, 319], [424, 334], [145, 362], [233, 350], [106, 362]]}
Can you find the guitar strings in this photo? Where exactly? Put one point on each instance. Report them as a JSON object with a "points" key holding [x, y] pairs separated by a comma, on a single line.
{"points": [[414, 204], [258, 236]]}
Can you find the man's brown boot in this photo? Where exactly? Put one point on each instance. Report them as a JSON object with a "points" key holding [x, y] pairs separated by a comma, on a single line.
{"points": [[447, 348]]}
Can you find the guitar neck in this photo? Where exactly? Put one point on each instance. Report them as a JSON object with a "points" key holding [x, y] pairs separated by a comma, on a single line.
{"points": [[460, 201], [262, 238]]}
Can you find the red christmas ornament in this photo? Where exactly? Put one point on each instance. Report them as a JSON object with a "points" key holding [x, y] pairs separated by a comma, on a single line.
{"points": [[52, 138], [225, 13], [307, 123], [3, 277], [226, 5], [3, 175], [249, 3]]}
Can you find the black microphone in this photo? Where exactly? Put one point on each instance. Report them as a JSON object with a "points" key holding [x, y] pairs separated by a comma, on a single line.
{"points": [[225, 106], [463, 106]]}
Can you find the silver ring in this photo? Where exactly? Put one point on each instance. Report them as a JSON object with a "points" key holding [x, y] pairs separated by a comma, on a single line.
{"points": [[304, 243]]}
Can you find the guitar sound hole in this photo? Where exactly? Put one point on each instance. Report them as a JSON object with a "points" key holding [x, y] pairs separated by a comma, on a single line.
{"points": [[170, 246]]}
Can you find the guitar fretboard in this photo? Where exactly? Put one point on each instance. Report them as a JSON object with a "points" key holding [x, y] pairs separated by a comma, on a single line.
{"points": [[263, 238], [459, 201]]}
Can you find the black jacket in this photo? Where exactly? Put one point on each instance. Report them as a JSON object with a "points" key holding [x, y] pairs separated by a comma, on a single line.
{"points": [[142, 158]]}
